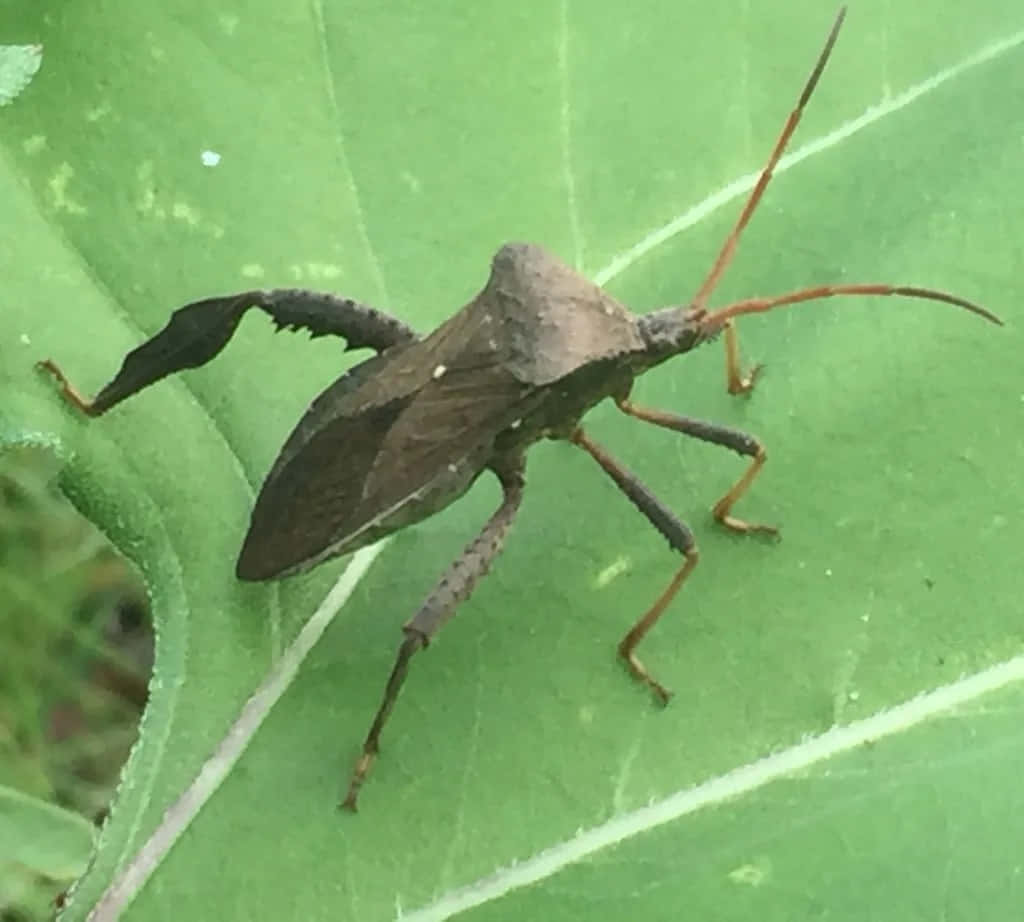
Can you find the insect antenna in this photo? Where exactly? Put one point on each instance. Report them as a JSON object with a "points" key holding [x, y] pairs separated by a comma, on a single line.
{"points": [[721, 316], [729, 247]]}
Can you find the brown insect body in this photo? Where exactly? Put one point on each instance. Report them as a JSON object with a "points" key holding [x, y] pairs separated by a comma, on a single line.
{"points": [[400, 437], [404, 434]]}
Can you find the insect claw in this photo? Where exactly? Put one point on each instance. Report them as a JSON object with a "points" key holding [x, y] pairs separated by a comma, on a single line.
{"points": [[639, 672], [358, 776], [744, 384], [67, 390], [660, 692], [748, 528]]}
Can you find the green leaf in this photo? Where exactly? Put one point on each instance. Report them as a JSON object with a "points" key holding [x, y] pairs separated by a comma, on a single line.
{"points": [[883, 830], [385, 151], [41, 837]]}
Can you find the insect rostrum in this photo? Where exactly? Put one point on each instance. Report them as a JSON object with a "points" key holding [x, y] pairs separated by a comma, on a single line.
{"points": [[403, 434]]}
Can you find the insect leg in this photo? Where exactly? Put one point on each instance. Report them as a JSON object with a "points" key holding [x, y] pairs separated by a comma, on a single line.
{"points": [[735, 381], [452, 589], [198, 331], [678, 536], [738, 441]]}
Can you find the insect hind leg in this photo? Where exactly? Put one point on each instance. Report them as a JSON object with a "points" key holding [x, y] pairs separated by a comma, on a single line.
{"points": [[452, 589], [197, 332]]}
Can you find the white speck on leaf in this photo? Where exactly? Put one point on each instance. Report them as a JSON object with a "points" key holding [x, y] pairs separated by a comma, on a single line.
{"points": [[515, 424], [323, 270], [25, 339], [146, 199], [253, 271], [18, 65], [58, 184], [97, 112], [182, 211], [753, 875], [614, 569], [209, 158]]}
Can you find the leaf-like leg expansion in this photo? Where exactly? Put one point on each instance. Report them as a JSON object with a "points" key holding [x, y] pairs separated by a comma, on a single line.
{"points": [[197, 332], [679, 537], [739, 442], [452, 590]]}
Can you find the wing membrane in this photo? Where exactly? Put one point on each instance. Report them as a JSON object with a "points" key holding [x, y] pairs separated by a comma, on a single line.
{"points": [[389, 443]]}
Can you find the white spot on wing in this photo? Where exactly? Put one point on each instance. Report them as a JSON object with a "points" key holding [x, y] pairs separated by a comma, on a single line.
{"points": [[439, 371], [209, 158]]}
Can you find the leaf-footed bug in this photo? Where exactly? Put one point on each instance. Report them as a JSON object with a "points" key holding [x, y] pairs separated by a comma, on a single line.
{"points": [[405, 433]]}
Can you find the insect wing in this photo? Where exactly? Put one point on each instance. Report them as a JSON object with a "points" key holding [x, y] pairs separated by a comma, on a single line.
{"points": [[394, 440], [450, 420], [312, 500]]}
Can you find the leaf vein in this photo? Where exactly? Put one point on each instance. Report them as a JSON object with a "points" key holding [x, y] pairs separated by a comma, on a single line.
{"points": [[889, 105], [330, 83]]}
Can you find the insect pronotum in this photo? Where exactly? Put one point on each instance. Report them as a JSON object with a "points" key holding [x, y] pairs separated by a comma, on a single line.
{"points": [[404, 433]]}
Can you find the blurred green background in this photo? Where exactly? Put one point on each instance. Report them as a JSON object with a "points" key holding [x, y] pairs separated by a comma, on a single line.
{"points": [[77, 646]]}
